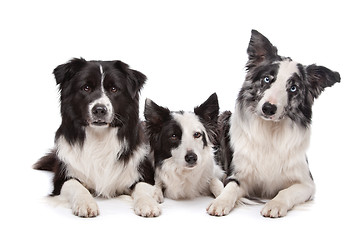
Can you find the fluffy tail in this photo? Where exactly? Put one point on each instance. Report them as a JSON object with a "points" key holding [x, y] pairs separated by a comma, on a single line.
{"points": [[47, 162]]}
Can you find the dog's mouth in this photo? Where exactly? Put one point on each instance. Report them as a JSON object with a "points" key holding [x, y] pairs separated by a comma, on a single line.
{"points": [[190, 166], [99, 123]]}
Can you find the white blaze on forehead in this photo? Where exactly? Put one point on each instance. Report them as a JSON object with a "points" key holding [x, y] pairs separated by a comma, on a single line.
{"points": [[188, 122], [286, 70], [103, 100], [102, 78]]}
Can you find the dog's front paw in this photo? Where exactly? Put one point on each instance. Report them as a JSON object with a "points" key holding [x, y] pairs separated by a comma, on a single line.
{"points": [[158, 195], [147, 207], [274, 209], [219, 207], [85, 207]]}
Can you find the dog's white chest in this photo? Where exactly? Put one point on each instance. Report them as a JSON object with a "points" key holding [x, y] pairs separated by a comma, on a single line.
{"points": [[268, 160], [183, 183], [96, 164]]}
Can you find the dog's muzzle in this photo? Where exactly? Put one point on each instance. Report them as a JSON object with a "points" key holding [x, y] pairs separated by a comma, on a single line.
{"points": [[190, 159], [99, 115]]}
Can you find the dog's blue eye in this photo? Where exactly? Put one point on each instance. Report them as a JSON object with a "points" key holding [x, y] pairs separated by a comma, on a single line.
{"points": [[266, 79], [293, 88]]}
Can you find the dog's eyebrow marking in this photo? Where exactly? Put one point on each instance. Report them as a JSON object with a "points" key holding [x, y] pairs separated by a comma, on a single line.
{"points": [[102, 73], [102, 77]]}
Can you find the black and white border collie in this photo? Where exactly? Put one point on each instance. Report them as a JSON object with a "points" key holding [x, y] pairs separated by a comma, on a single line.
{"points": [[100, 146], [269, 132], [183, 145]]}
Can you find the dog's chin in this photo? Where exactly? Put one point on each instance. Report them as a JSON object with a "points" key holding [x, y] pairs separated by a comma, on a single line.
{"points": [[190, 166], [270, 118]]}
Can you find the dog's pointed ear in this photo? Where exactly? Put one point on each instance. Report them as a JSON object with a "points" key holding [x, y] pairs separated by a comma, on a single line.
{"points": [[209, 110], [155, 115], [319, 78], [66, 71], [259, 50], [136, 79]]}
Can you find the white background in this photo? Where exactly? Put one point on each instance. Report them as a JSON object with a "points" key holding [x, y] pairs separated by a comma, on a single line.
{"points": [[188, 50]]}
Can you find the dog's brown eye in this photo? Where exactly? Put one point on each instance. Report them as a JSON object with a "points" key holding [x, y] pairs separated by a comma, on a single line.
{"points": [[86, 88], [113, 89], [197, 135], [174, 137]]}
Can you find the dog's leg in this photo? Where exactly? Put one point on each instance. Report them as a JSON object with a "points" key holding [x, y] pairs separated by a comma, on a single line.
{"points": [[81, 201], [145, 204], [225, 202], [158, 195], [216, 187], [286, 199]]}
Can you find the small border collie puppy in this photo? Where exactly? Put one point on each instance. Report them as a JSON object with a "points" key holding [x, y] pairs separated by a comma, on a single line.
{"points": [[100, 146], [183, 145], [266, 138]]}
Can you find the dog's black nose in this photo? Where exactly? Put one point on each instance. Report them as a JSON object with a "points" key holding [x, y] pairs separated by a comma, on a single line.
{"points": [[99, 110], [269, 109], [190, 157]]}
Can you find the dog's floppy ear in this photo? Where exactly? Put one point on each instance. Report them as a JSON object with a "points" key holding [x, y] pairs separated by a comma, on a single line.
{"points": [[259, 49], [66, 71], [209, 110], [135, 79], [319, 77], [155, 116]]}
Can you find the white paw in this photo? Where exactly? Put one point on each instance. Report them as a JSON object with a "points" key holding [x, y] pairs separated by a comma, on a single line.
{"points": [[85, 206], [219, 207], [147, 207], [274, 209], [158, 195]]}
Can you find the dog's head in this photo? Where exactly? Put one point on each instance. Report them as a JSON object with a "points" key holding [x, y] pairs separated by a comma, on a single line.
{"points": [[98, 93], [182, 137], [277, 87]]}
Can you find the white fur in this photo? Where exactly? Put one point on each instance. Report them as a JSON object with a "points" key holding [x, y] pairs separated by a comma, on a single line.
{"points": [[145, 200], [81, 201], [269, 159], [96, 163], [180, 181]]}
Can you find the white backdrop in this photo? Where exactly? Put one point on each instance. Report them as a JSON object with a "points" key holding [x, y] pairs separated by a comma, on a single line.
{"points": [[188, 50]]}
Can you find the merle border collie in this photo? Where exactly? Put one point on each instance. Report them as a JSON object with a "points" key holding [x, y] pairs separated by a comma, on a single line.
{"points": [[266, 138], [183, 146], [100, 146]]}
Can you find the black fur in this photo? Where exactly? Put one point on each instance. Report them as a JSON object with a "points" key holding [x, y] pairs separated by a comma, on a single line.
{"points": [[79, 73], [224, 152], [208, 113], [79, 84], [165, 133]]}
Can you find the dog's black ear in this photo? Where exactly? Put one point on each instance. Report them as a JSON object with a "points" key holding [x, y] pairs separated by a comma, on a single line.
{"points": [[155, 116], [209, 110], [66, 71], [259, 49], [136, 79], [319, 77]]}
